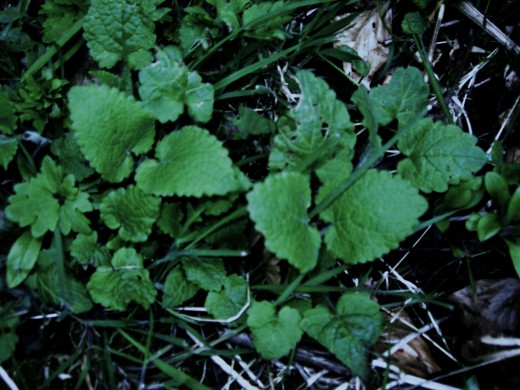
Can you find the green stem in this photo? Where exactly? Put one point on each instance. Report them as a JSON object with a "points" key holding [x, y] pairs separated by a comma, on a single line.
{"points": [[433, 80], [431, 221], [289, 290]]}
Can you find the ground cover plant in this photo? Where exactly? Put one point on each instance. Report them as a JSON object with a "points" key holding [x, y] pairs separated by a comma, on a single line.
{"points": [[233, 194]]}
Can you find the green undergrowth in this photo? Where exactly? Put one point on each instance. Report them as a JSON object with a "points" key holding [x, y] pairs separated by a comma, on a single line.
{"points": [[176, 174]]}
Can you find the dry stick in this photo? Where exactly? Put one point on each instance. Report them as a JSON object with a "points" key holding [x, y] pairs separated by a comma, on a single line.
{"points": [[478, 18]]}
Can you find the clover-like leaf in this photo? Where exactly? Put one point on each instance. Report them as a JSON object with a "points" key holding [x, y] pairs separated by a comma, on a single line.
{"points": [[21, 258], [404, 98], [372, 217], [190, 162], [47, 199], [228, 302], [273, 335], [313, 128], [177, 289], [438, 155], [356, 325], [278, 206], [119, 30], [109, 127], [209, 274], [131, 211], [124, 281], [86, 250]]}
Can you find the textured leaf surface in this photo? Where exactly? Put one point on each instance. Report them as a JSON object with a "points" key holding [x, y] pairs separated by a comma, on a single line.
{"points": [[372, 217], [8, 148], [109, 126], [278, 206], [86, 250], [177, 289], [131, 211], [438, 155], [229, 301], [199, 98], [190, 162], [21, 258], [313, 128], [274, 335], [71, 158], [123, 282], [208, 274], [119, 29], [405, 97], [61, 15], [60, 291], [356, 325], [47, 199]]}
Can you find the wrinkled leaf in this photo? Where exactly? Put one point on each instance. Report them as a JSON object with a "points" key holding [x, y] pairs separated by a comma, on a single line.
{"points": [[209, 274], [110, 128], [190, 162], [278, 206], [86, 250], [228, 302], [438, 155], [273, 335], [356, 325], [372, 217], [177, 289]]}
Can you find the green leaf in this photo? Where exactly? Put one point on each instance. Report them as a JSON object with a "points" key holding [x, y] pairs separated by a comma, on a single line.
{"points": [[86, 250], [71, 158], [278, 206], [57, 291], [372, 217], [228, 302], [60, 16], [366, 104], [119, 30], [170, 219], [497, 187], [125, 281], [209, 274], [514, 252], [7, 116], [513, 209], [404, 98], [110, 127], [270, 28], [249, 122], [190, 162], [8, 148], [465, 195], [21, 258], [314, 129], [356, 325], [488, 226], [8, 342], [199, 98], [274, 336], [163, 84], [177, 289], [438, 155], [414, 23], [131, 211], [47, 199]]}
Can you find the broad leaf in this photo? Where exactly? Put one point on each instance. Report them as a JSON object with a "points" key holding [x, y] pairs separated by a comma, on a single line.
{"points": [[71, 158], [124, 281], [177, 289], [356, 325], [274, 335], [207, 273], [119, 30], [438, 155], [109, 127], [404, 98], [131, 211], [86, 250], [21, 258], [8, 148], [278, 206], [314, 129], [190, 162], [199, 98], [228, 302], [372, 217]]}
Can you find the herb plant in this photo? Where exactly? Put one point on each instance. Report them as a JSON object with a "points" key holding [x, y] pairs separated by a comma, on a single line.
{"points": [[159, 182]]}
